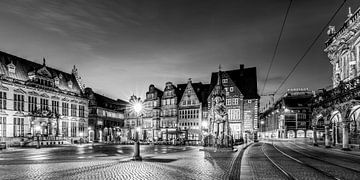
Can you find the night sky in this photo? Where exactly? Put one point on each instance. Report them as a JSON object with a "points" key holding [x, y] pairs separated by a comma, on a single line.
{"points": [[121, 47]]}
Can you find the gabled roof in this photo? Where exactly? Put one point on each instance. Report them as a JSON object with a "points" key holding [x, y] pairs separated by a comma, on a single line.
{"points": [[180, 91], [159, 92], [108, 103], [244, 79], [23, 67], [201, 91]]}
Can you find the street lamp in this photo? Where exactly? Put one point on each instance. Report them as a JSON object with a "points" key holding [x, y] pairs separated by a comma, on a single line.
{"points": [[137, 107]]}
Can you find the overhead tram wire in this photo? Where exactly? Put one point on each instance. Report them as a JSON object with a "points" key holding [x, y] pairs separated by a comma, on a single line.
{"points": [[310, 47], [276, 46]]}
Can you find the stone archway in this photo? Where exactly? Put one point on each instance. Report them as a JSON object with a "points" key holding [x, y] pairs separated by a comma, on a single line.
{"points": [[354, 125], [335, 129], [300, 133], [309, 133], [291, 134]]}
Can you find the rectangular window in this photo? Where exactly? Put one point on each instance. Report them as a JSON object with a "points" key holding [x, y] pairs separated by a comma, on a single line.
{"points": [[73, 109], [235, 101], [65, 129], [228, 101], [2, 126], [18, 127], [32, 103], [81, 111], [18, 102], [73, 129], [65, 109], [44, 104], [2, 100], [82, 128], [55, 107]]}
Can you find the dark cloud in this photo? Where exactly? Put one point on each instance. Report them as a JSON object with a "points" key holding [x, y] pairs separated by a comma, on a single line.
{"points": [[121, 47]]}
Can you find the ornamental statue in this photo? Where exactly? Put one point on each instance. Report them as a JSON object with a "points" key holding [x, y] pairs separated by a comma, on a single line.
{"points": [[219, 124]]}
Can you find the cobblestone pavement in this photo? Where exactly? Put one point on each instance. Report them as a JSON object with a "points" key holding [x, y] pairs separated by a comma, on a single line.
{"points": [[187, 164]]}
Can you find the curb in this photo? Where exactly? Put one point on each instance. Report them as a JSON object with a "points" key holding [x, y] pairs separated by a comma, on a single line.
{"points": [[236, 172]]}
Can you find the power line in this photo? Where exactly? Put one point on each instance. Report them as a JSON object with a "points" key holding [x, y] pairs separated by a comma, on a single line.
{"points": [[310, 47], [276, 46]]}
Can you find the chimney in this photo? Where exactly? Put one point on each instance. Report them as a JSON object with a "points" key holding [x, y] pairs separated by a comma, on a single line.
{"points": [[241, 66], [241, 69]]}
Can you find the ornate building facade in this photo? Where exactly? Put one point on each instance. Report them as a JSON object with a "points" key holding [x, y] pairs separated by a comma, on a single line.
{"points": [[242, 100], [37, 100], [169, 112], [152, 113], [337, 109], [192, 111], [106, 117]]}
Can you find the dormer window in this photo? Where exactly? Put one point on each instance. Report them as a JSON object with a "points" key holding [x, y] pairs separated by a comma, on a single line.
{"points": [[57, 81], [11, 67], [70, 84], [225, 81]]}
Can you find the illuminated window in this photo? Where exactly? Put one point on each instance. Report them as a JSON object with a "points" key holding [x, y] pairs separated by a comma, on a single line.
{"points": [[2, 100], [228, 101], [18, 102]]}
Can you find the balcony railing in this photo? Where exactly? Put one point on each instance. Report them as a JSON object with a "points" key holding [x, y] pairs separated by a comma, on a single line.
{"points": [[343, 92]]}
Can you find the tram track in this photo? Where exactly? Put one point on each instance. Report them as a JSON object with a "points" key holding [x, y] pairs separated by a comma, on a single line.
{"points": [[297, 171], [329, 168], [283, 171], [323, 160]]}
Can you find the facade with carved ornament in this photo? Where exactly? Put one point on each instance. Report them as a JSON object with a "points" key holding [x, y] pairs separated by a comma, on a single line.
{"points": [[241, 100], [338, 108], [37, 100], [192, 116]]}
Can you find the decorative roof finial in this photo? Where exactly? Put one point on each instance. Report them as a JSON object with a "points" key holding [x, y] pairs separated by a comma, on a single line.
{"points": [[44, 62], [189, 80], [349, 14], [219, 75]]}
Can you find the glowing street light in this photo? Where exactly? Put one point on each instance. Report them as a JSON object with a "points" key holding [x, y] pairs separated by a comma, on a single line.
{"points": [[137, 107]]}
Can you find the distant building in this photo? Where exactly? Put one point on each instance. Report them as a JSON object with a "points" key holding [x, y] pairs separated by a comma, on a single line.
{"points": [[192, 111], [168, 119], [289, 117], [152, 113], [106, 117], [242, 99], [37, 100]]}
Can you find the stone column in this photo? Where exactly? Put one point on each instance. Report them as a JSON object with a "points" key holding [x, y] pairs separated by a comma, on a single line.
{"points": [[333, 134], [327, 138], [315, 136], [336, 133], [345, 128]]}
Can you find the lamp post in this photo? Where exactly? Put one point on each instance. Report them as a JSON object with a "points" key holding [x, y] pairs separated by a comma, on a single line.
{"points": [[137, 107]]}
